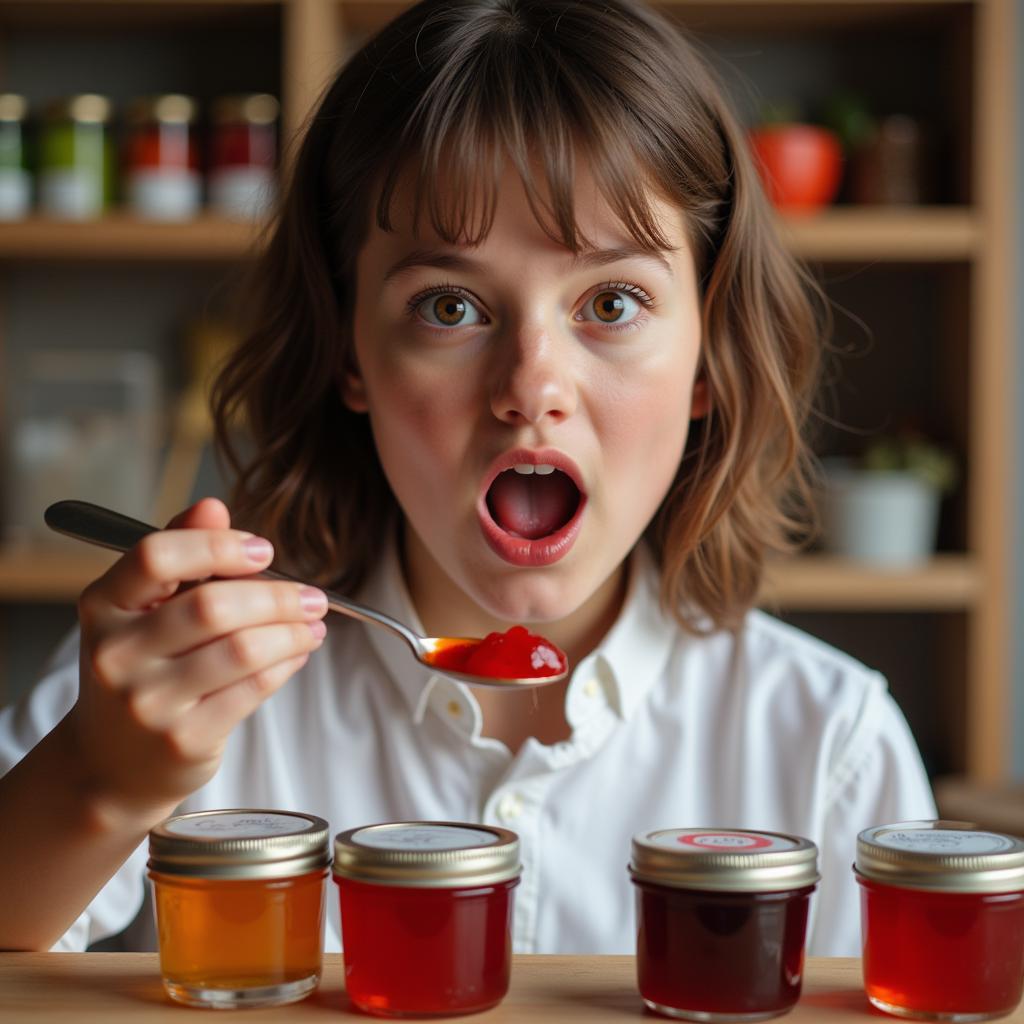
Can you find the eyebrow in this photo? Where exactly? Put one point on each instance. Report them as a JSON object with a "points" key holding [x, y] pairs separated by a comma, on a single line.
{"points": [[445, 259]]}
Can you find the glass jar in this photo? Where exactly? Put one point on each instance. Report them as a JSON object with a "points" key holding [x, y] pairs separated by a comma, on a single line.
{"points": [[721, 921], [426, 916], [76, 158], [239, 900], [243, 155], [942, 914], [161, 160], [15, 180]]}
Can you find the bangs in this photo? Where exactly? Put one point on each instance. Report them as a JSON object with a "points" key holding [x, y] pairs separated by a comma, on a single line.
{"points": [[499, 101]]}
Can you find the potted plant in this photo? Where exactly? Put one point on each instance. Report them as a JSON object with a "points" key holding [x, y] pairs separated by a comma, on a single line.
{"points": [[883, 509]]}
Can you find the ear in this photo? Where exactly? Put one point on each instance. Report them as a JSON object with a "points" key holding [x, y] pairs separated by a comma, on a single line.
{"points": [[700, 398], [353, 389]]}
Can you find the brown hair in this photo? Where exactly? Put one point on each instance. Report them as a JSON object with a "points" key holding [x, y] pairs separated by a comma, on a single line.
{"points": [[446, 92]]}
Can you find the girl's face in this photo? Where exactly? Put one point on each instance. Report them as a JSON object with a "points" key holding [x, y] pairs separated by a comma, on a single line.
{"points": [[580, 371]]}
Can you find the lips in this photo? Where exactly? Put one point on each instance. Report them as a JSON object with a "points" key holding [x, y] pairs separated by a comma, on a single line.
{"points": [[531, 506]]}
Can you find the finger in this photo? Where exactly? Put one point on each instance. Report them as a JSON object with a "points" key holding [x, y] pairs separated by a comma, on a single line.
{"points": [[210, 721], [211, 610], [179, 682], [155, 567], [205, 514]]}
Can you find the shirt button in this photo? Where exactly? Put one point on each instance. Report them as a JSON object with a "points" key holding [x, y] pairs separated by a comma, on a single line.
{"points": [[590, 689], [510, 807], [454, 708]]}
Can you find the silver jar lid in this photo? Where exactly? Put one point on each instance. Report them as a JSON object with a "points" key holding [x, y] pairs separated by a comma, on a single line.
{"points": [[427, 854], [239, 843], [724, 860], [945, 856]]}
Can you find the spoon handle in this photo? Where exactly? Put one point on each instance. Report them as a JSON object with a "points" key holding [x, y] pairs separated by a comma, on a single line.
{"points": [[109, 529]]}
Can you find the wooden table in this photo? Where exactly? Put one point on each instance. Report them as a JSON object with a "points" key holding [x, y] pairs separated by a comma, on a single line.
{"points": [[104, 988]]}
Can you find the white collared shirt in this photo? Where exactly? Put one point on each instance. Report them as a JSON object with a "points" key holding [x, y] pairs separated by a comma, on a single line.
{"points": [[765, 729]]}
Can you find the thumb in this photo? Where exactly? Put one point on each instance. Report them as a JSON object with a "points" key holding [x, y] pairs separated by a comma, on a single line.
{"points": [[205, 514]]}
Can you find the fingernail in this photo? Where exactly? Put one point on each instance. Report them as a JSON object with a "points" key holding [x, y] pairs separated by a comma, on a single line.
{"points": [[318, 629], [312, 601], [257, 549]]}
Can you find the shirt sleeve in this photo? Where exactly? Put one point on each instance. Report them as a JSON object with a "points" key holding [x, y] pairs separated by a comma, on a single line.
{"points": [[876, 777], [22, 725]]}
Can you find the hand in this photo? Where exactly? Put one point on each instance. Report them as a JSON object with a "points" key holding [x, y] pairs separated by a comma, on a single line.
{"points": [[167, 670]]}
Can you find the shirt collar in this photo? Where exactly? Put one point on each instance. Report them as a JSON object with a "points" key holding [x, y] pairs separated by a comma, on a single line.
{"points": [[633, 653], [386, 591], [627, 662]]}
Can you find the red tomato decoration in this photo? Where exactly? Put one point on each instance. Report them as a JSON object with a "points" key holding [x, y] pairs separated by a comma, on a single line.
{"points": [[800, 165]]}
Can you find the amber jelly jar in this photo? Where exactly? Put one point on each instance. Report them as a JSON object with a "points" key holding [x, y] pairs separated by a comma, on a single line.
{"points": [[721, 921], [239, 900], [942, 914], [426, 916]]}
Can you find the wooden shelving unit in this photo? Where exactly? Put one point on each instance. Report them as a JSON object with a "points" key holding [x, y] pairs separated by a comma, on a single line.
{"points": [[968, 231], [121, 237]]}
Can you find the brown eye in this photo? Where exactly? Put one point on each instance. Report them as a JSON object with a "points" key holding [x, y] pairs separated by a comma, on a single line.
{"points": [[450, 310], [609, 306]]}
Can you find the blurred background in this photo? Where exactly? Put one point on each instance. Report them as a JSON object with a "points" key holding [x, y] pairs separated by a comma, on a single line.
{"points": [[141, 142]]}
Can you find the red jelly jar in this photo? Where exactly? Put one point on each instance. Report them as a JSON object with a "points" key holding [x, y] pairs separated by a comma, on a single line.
{"points": [[426, 916], [942, 914], [721, 921]]}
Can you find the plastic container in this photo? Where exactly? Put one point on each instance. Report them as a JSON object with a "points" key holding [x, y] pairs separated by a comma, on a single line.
{"points": [[76, 167], [162, 177], [15, 179], [426, 916], [243, 156], [943, 919], [721, 921], [239, 899]]}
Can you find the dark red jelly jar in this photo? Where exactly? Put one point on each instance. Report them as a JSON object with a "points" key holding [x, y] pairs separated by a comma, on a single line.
{"points": [[942, 915], [426, 916], [721, 921]]}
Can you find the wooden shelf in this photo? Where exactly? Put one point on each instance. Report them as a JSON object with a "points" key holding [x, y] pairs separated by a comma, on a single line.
{"points": [[840, 234], [122, 237], [828, 583], [885, 234], [727, 16], [813, 582], [55, 572]]}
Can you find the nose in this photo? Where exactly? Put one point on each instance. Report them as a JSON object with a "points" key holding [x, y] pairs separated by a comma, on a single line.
{"points": [[534, 380]]}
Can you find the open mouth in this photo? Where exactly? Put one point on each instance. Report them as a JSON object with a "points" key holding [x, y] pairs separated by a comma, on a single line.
{"points": [[532, 501]]}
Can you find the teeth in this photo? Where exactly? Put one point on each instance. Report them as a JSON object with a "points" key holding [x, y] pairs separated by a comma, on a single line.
{"points": [[523, 469], [543, 469]]}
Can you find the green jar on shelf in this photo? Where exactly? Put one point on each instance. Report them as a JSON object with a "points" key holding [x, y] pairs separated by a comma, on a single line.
{"points": [[15, 179], [76, 158]]}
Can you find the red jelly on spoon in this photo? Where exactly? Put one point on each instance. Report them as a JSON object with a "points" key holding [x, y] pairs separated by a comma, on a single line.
{"points": [[515, 654]]}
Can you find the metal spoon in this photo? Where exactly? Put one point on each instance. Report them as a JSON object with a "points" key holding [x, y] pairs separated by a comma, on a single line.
{"points": [[108, 529]]}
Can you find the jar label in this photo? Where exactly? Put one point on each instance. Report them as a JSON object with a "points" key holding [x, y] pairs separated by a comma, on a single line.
{"points": [[943, 841], [720, 841], [239, 826], [424, 837]]}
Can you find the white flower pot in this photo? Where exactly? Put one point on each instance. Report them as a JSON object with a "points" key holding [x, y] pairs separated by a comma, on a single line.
{"points": [[883, 517]]}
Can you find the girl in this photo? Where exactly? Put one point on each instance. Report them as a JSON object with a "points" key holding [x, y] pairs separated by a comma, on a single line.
{"points": [[524, 349]]}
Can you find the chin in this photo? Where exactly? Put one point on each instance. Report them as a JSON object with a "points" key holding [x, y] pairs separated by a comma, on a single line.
{"points": [[535, 601]]}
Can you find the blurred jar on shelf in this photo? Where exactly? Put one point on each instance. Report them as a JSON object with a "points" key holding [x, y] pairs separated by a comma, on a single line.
{"points": [[162, 180], [76, 165], [243, 155], [15, 179]]}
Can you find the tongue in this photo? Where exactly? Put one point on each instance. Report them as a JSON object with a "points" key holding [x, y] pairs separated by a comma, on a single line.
{"points": [[532, 505]]}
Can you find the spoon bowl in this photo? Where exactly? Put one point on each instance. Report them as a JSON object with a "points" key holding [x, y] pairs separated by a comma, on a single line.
{"points": [[108, 529]]}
